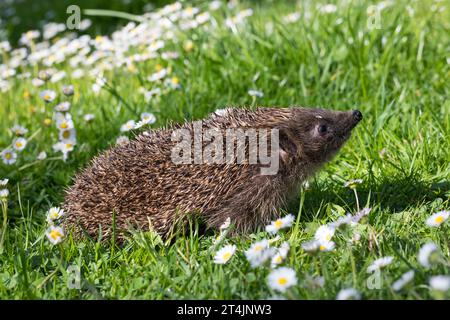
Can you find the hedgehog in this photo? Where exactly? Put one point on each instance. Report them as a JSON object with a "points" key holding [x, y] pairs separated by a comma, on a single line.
{"points": [[158, 181]]}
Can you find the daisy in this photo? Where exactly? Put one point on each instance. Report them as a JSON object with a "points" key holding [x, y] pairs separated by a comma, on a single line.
{"points": [[48, 95], [281, 223], [67, 145], [149, 94], [47, 121], [352, 183], [440, 283], [77, 74], [63, 107], [226, 224], [44, 74], [129, 125], [356, 238], [437, 219], [282, 278], [380, 263], [259, 253], [188, 45], [174, 83], [28, 37], [67, 90], [58, 76], [348, 294], [326, 246], [98, 85], [122, 140], [428, 254], [148, 117], [42, 156], [406, 278], [221, 112], [280, 254], [19, 130], [170, 55], [157, 75], [37, 82], [55, 234], [155, 46], [311, 246], [341, 221], [8, 156], [324, 233], [69, 134], [256, 248], [4, 182], [54, 213], [64, 121], [256, 93], [5, 46], [64, 147], [88, 117], [328, 8], [215, 4], [360, 214], [4, 193], [292, 17], [202, 17], [224, 255], [315, 282], [19, 144]]}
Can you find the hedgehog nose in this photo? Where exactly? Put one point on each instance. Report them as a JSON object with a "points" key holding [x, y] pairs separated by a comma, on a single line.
{"points": [[357, 115]]}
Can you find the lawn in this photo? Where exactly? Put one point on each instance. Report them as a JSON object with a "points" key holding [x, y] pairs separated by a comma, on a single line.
{"points": [[185, 63]]}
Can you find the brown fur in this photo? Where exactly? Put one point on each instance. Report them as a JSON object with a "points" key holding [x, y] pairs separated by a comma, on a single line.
{"points": [[145, 189]]}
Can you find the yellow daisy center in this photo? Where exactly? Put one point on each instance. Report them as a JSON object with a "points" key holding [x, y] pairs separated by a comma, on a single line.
{"points": [[328, 237], [322, 247], [282, 281], [158, 67], [278, 259], [68, 145], [47, 121], [55, 234], [175, 80], [278, 224], [19, 144], [226, 256], [439, 219], [258, 248], [47, 97], [66, 134], [8, 156], [64, 125]]}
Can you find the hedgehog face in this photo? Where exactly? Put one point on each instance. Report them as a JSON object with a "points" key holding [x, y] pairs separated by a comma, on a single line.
{"points": [[321, 133]]}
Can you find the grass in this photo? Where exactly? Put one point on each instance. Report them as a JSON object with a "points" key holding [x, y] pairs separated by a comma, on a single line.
{"points": [[397, 76]]}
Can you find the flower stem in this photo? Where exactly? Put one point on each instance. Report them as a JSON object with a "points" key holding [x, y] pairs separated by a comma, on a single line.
{"points": [[357, 200]]}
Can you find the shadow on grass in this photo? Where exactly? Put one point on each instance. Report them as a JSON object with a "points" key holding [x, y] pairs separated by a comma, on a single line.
{"points": [[391, 194]]}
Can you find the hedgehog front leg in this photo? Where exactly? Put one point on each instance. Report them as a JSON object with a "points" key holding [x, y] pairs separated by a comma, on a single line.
{"points": [[249, 209]]}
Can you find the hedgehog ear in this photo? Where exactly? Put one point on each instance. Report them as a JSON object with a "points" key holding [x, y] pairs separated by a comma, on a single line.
{"points": [[287, 145], [284, 155]]}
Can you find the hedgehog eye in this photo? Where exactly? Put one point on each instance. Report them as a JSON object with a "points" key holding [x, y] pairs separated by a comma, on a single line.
{"points": [[322, 129]]}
